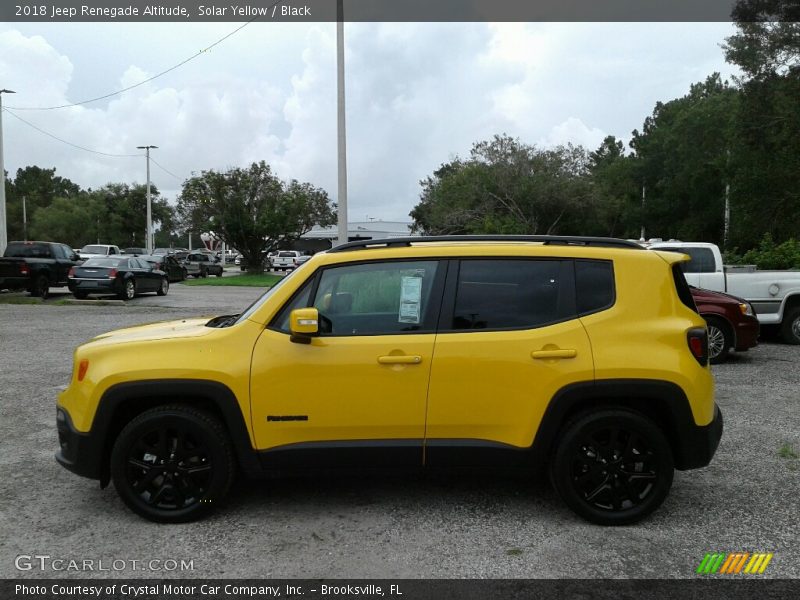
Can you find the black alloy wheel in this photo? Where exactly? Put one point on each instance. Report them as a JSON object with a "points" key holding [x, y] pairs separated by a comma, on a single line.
{"points": [[612, 466], [41, 287], [172, 464]]}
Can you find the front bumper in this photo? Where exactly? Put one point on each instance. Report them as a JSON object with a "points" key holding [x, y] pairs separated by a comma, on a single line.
{"points": [[81, 453], [747, 334], [699, 443]]}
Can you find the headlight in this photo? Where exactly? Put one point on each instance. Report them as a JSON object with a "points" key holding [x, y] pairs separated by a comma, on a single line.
{"points": [[746, 309]]}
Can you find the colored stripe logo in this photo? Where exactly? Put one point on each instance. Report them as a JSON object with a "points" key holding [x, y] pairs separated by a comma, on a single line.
{"points": [[734, 563]]}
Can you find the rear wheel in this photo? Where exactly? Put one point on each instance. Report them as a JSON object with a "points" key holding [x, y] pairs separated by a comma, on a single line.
{"points": [[790, 328], [172, 464], [164, 288], [184, 274], [128, 290], [80, 295], [612, 466], [41, 287], [720, 340]]}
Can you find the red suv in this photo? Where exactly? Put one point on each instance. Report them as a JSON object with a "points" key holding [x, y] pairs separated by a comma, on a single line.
{"points": [[732, 323]]}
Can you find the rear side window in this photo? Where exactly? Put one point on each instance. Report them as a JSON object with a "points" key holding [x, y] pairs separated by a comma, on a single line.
{"points": [[684, 292], [594, 285], [511, 294]]}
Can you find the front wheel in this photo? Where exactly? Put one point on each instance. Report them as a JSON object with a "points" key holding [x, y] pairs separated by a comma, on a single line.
{"points": [[164, 287], [720, 340], [172, 464], [790, 328], [612, 466]]}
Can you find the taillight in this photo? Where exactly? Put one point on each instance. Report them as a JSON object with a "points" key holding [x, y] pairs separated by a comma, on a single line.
{"points": [[697, 338], [112, 273], [23, 269], [71, 272]]}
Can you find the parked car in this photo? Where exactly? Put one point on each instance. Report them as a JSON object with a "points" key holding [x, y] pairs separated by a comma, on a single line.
{"points": [[285, 260], [36, 266], [134, 251], [121, 276], [169, 264], [95, 250], [732, 323], [201, 264], [585, 354], [775, 295]]}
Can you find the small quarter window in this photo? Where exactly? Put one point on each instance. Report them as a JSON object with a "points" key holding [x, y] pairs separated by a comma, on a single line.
{"points": [[594, 283]]}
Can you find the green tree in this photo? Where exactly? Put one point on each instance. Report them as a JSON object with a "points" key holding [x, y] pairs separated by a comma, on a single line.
{"points": [[39, 187], [617, 205], [252, 210], [506, 187]]}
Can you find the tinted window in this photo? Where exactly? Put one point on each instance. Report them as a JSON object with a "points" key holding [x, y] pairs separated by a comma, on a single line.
{"points": [[594, 284], [376, 298], [702, 259], [28, 250], [286, 254], [520, 294]]}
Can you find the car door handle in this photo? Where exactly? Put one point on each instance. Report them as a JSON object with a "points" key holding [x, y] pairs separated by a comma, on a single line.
{"points": [[401, 359], [566, 353]]}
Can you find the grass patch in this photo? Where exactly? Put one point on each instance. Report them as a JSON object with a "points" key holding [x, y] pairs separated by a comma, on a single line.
{"points": [[514, 552], [20, 300], [787, 451], [265, 280]]}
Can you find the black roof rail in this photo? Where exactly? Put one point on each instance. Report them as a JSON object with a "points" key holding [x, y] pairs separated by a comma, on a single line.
{"points": [[554, 240]]}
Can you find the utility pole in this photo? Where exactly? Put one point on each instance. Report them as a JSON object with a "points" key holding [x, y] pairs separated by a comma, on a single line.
{"points": [[641, 236], [24, 220], [727, 215], [149, 232], [3, 228], [342, 140]]}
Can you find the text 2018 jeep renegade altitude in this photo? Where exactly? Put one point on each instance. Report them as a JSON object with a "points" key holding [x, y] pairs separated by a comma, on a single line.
{"points": [[585, 354]]}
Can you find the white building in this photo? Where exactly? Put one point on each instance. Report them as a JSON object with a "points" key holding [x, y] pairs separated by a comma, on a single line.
{"points": [[322, 238]]}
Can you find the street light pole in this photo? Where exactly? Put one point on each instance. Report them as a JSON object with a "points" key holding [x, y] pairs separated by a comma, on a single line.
{"points": [[149, 232], [3, 228], [342, 142]]}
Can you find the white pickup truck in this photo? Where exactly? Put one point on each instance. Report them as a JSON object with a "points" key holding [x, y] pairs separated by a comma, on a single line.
{"points": [[775, 295], [98, 251]]}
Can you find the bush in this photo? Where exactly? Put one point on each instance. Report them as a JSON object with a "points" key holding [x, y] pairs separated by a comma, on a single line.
{"points": [[768, 255]]}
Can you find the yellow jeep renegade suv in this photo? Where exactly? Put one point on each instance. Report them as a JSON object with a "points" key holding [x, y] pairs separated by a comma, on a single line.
{"points": [[583, 353]]}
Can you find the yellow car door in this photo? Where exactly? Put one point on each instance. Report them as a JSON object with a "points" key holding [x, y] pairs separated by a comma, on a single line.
{"points": [[508, 340], [356, 393]]}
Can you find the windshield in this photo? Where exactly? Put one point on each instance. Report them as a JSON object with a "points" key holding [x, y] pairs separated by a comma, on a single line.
{"points": [[93, 249], [258, 303]]}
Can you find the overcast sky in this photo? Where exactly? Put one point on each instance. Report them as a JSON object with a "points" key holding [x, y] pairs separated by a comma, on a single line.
{"points": [[417, 95]]}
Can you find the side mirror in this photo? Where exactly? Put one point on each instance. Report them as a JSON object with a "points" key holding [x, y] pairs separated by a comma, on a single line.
{"points": [[304, 324]]}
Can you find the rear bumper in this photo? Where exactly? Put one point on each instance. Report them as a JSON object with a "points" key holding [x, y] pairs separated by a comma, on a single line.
{"points": [[94, 286], [78, 452], [15, 283], [699, 443]]}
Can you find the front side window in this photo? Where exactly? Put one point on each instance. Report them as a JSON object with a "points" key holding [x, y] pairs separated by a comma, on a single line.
{"points": [[377, 298], [511, 294]]}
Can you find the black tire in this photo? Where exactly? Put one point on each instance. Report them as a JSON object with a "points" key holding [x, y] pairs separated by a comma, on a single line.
{"points": [[173, 464], [220, 273], [612, 466], [203, 273], [128, 290], [41, 287], [720, 340], [790, 327], [80, 295], [184, 274], [164, 287]]}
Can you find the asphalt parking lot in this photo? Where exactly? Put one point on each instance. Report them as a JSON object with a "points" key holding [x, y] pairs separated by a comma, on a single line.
{"points": [[391, 526]]}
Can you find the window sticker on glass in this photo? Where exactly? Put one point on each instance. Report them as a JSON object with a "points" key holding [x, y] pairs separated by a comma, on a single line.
{"points": [[410, 299]]}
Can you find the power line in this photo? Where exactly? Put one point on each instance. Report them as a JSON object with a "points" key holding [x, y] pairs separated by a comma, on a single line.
{"points": [[149, 79], [48, 134], [168, 172]]}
